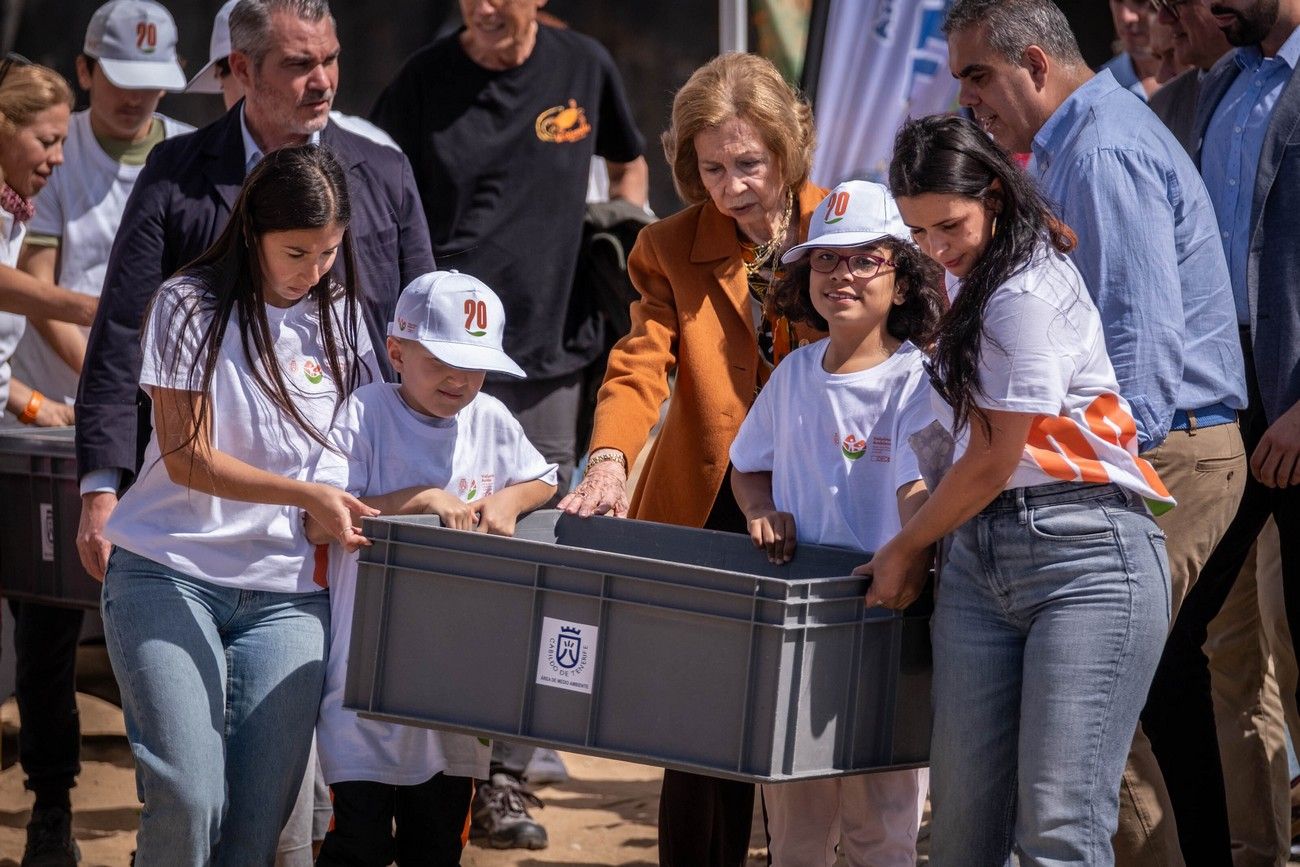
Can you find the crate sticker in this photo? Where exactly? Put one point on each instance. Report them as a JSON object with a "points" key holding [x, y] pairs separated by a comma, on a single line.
{"points": [[47, 532], [566, 658]]}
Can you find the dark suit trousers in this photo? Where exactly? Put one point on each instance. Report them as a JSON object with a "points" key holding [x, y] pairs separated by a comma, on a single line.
{"points": [[705, 821], [49, 741], [1179, 715]]}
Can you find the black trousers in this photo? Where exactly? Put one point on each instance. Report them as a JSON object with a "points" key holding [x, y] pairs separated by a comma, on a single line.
{"points": [[1179, 714], [431, 821], [45, 655], [705, 821]]}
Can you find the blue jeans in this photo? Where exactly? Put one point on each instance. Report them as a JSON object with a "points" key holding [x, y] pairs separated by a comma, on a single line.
{"points": [[220, 690], [1051, 614]]}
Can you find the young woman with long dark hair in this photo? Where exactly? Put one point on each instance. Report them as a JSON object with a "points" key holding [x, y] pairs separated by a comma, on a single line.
{"points": [[215, 627], [1053, 604]]}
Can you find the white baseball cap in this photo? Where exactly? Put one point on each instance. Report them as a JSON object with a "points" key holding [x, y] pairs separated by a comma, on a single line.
{"points": [[134, 42], [206, 80], [855, 213], [457, 318]]}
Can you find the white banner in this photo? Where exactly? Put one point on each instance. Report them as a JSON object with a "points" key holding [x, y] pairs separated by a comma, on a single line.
{"points": [[882, 61]]}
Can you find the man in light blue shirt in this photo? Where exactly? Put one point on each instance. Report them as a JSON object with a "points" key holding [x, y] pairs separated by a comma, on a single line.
{"points": [[1231, 147], [1150, 255]]}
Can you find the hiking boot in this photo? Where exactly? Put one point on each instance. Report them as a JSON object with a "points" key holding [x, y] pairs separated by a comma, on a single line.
{"points": [[500, 815], [49, 839]]}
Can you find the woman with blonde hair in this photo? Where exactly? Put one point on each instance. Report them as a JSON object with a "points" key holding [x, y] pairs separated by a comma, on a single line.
{"points": [[740, 147], [35, 105]]}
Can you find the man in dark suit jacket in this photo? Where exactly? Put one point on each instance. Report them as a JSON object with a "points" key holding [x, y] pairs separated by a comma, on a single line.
{"points": [[287, 60]]}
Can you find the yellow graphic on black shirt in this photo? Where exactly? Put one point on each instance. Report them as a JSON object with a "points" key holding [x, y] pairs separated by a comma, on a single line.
{"points": [[563, 123]]}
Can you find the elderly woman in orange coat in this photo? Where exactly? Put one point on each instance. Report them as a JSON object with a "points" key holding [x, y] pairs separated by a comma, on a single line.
{"points": [[740, 147]]}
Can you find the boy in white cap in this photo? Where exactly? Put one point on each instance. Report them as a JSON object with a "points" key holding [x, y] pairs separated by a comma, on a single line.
{"points": [[433, 444], [215, 77], [127, 63]]}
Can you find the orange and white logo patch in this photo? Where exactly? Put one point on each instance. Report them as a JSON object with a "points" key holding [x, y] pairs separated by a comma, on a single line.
{"points": [[146, 36], [563, 123], [476, 317], [837, 207]]}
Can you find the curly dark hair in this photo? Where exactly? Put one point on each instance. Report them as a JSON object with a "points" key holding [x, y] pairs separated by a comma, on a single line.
{"points": [[914, 272]]}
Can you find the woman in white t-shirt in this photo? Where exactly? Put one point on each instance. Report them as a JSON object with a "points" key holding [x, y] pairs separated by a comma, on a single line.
{"points": [[824, 457], [215, 627], [35, 104], [1053, 602]]}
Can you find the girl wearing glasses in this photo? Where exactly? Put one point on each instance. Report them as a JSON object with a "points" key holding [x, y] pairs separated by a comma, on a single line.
{"points": [[1053, 604], [35, 105], [823, 457]]}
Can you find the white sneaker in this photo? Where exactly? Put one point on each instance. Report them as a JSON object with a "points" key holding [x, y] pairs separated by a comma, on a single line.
{"points": [[546, 768]]}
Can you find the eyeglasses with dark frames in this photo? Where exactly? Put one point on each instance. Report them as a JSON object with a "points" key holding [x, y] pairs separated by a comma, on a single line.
{"points": [[862, 265], [11, 60]]}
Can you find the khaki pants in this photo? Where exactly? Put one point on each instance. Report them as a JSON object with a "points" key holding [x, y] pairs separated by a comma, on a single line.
{"points": [[1205, 470], [1248, 645]]}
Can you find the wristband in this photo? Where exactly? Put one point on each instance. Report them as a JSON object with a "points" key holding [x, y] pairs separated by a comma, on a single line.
{"points": [[33, 407], [608, 456]]}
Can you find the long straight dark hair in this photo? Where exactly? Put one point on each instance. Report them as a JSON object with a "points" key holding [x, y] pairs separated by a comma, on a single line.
{"points": [[292, 188], [951, 155]]}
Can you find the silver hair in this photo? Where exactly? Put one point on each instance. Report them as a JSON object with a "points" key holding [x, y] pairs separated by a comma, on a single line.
{"points": [[1011, 26], [250, 22]]}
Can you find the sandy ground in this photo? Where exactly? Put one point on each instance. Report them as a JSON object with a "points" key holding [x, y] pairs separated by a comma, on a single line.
{"points": [[604, 815]]}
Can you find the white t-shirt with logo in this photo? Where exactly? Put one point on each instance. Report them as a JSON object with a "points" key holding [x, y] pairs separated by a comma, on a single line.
{"points": [[1043, 352], [836, 444], [82, 206], [382, 445], [250, 546]]}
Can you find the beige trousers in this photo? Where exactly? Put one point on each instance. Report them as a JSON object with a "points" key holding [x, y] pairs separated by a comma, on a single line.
{"points": [[1248, 645], [873, 817], [1205, 470]]}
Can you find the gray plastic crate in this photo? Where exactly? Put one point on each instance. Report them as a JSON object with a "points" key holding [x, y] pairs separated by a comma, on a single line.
{"points": [[645, 642], [38, 549]]}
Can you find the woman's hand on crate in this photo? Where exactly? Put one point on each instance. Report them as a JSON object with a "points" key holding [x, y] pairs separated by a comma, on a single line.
{"points": [[773, 533], [92, 547], [897, 575], [602, 491], [339, 513]]}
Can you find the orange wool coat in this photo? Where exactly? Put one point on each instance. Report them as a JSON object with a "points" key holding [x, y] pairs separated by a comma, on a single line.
{"points": [[693, 314]]}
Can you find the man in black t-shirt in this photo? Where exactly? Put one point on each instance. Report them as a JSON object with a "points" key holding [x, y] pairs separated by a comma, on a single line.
{"points": [[500, 122]]}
